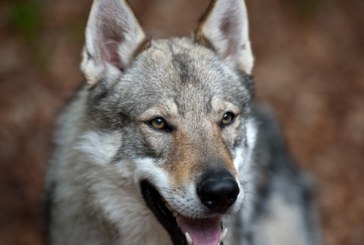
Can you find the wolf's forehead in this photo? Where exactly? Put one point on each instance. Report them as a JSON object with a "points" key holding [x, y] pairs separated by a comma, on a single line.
{"points": [[180, 64], [181, 71]]}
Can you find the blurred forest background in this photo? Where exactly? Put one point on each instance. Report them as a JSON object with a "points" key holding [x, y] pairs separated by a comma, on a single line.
{"points": [[309, 68]]}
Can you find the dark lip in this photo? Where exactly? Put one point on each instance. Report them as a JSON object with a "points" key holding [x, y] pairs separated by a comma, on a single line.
{"points": [[156, 204]]}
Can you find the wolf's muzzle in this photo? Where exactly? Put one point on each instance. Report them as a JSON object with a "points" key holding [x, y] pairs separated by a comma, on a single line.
{"points": [[217, 190]]}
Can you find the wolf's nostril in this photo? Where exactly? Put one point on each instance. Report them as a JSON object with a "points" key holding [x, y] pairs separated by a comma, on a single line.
{"points": [[218, 191]]}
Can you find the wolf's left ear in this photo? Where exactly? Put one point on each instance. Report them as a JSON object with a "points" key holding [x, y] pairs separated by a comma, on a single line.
{"points": [[113, 34], [224, 28]]}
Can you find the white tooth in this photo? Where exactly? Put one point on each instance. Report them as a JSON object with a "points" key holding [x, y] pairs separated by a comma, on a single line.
{"points": [[223, 235], [189, 239]]}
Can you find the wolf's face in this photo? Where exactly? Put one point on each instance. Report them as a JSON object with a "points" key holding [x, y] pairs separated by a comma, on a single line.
{"points": [[181, 107]]}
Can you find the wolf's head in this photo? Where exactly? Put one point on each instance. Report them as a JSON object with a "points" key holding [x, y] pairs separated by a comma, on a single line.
{"points": [[181, 107]]}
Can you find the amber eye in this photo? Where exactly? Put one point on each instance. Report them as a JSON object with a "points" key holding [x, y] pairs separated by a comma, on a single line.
{"points": [[227, 119], [158, 123]]}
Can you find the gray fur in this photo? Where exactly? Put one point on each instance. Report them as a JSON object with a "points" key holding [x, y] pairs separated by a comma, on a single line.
{"points": [[105, 147]]}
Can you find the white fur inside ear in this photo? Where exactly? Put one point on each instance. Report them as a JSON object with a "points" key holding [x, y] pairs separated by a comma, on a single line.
{"points": [[112, 36], [94, 72], [226, 27]]}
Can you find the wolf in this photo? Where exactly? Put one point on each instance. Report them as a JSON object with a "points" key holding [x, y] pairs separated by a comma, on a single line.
{"points": [[165, 144]]}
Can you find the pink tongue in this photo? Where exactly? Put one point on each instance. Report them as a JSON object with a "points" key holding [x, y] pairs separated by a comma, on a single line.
{"points": [[202, 231]]}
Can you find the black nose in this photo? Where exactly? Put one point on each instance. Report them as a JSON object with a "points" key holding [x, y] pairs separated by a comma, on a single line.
{"points": [[217, 190]]}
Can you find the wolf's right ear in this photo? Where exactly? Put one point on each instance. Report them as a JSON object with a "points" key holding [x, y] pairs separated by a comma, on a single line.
{"points": [[113, 34]]}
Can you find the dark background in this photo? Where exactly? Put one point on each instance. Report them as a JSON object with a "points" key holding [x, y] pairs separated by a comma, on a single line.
{"points": [[309, 68]]}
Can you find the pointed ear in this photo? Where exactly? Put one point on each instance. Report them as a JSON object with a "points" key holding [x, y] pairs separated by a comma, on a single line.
{"points": [[113, 34], [224, 28]]}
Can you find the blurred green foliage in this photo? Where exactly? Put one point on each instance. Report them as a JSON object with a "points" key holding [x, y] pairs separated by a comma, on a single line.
{"points": [[25, 18]]}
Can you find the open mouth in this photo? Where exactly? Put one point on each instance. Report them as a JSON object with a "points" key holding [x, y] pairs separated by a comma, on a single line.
{"points": [[183, 230]]}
